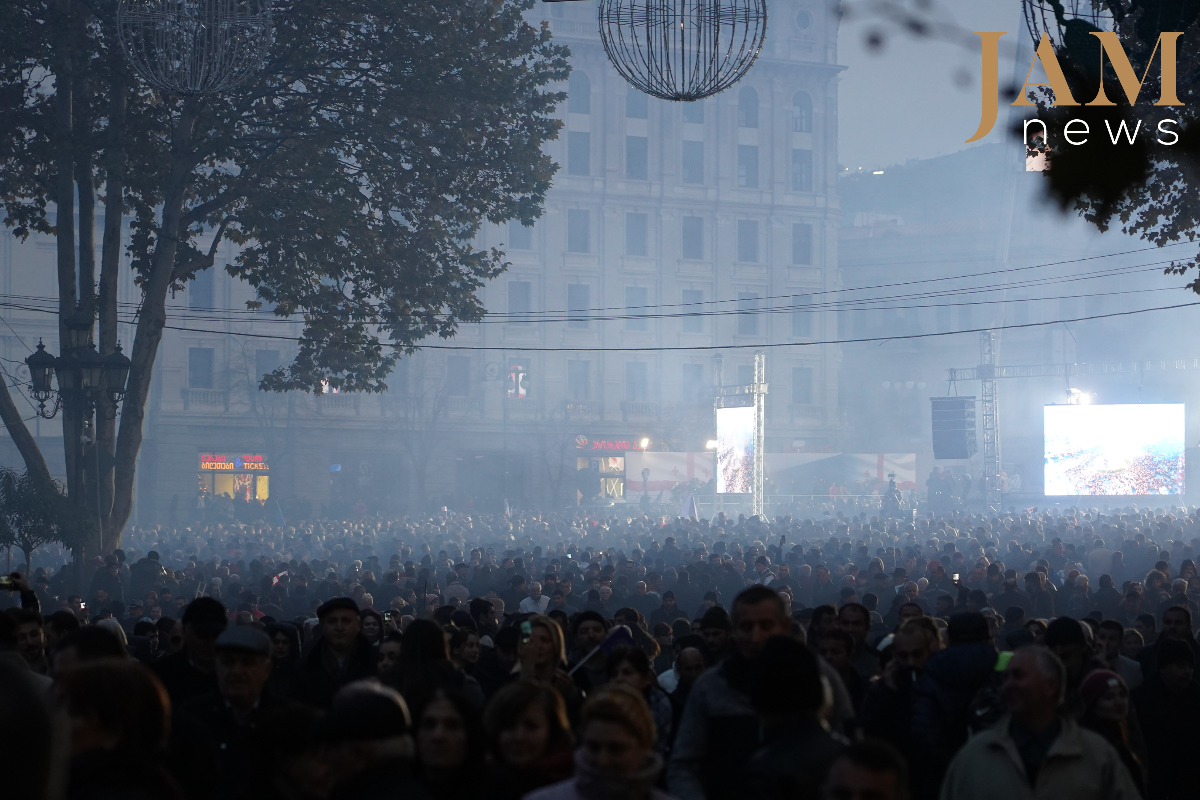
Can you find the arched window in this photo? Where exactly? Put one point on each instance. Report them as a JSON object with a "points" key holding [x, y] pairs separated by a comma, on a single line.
{"points": [[748, 108], [579, 93], [802, 112]]}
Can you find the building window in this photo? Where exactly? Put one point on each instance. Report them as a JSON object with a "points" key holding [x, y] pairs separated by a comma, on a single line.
{"points": [[579, 153], [694, 112], [520, 302], [802, 243], [693, 306], [693, 238], [846, 323], [745, 374], [520, 237], [637, 298], [200, 368], [635, 158], [458, 376], [579, 303], [265, 362], [637, 381], [802, 171], [693, 162], [517, 382], [964, 318], [579, 93], [579, 380], [802, 112], [802, 321], [747, 324], [636, 234], [747, 241], [578, 231], [694, 388], [201, 289], [635, 104], [802, 386], [943, 318], [748, 108], [748, 166]]}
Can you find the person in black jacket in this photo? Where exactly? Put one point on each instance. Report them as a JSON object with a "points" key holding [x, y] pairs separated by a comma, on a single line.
{"points": [[341, 655], [229, 715], [118, 718], [367, 742], [942, 698], [188, 672], [787, 694], [1166, 705]]}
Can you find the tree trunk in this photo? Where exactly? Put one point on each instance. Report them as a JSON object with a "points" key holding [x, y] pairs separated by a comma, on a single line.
{"points": [[110, 265], [64, 201], [153, 317]]}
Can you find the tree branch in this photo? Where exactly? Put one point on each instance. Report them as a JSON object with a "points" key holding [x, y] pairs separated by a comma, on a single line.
{"points": [[35, 463]]}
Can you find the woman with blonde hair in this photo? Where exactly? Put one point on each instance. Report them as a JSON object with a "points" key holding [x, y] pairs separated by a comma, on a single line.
{"points": [[542, 656], [615, 758]]}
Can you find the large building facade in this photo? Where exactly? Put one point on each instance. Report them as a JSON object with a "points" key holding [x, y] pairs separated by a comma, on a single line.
{"points": [[677, 239]]}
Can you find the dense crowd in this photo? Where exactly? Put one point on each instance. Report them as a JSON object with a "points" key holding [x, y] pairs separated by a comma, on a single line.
{"points": [[589, 657]]}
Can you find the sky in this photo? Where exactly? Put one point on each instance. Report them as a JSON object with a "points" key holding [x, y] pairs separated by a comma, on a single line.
{"points": [[911, 98]]}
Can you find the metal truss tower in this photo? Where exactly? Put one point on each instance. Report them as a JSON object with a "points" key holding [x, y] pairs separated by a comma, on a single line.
{"points": [[758, 505], [991, 424]]}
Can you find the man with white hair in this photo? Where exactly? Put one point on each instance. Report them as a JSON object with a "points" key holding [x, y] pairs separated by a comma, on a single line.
{"points": [[1036, 750], [536, 602]]}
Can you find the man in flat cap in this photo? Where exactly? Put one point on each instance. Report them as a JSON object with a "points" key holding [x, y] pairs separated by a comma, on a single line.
{"points": [[340, 656], [228, 716]]}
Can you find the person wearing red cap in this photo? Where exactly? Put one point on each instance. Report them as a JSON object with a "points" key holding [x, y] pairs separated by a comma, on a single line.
{"points": [[1105, 698]]}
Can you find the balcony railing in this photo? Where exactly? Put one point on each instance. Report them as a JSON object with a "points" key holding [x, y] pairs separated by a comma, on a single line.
{"points": [[807, 413], [638, 409], [205, 399], [337, 403], [463, 407], [583, 408]]}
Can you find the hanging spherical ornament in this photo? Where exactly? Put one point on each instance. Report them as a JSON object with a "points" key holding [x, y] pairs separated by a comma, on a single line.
{"points": [[683, 49], [195, 47]]}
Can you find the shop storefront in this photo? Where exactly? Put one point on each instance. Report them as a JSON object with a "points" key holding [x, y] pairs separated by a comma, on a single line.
{"points": [[600, 465], [241, 477]]}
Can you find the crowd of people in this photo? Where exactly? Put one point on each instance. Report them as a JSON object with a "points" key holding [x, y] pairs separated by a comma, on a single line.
{"points": [[587, 657]]}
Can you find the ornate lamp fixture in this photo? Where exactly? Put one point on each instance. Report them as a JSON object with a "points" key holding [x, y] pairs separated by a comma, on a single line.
{"points": [[83, 375], [194, 47], [683, 49]]}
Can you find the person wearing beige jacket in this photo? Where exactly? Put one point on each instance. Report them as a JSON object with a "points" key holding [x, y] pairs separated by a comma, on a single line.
{"points": [[1036, 752]]}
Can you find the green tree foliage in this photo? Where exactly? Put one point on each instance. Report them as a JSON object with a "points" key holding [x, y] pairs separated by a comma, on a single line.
{"points": [[1147, 188], [34, 513], [353, 173]]}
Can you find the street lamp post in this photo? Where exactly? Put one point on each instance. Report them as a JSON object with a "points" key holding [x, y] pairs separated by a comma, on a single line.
{"points": [[90, 385]]}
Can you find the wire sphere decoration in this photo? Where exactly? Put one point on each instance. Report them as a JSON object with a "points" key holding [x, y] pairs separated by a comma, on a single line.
{"points": [[683, 50], [1050, 17], [190, 48]]}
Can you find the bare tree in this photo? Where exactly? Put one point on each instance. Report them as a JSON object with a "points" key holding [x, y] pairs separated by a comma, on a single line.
{"points": [[422, 405], [272, 412], [557, 452]]}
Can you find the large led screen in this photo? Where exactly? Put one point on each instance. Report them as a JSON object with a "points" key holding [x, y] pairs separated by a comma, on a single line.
{"points": [[735, 450], [1114, 449]]}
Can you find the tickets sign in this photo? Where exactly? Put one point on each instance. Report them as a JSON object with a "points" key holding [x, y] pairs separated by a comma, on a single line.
{"points": [[219, 462]]}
